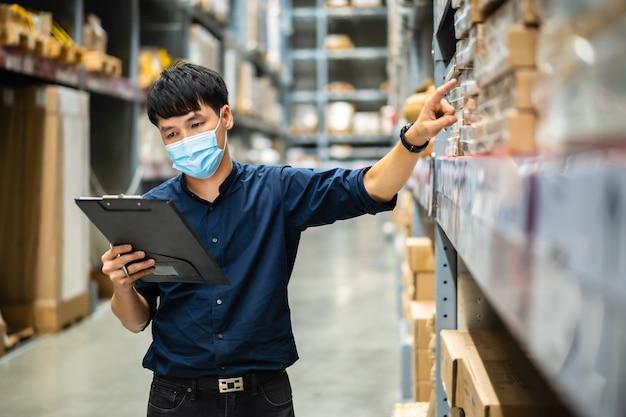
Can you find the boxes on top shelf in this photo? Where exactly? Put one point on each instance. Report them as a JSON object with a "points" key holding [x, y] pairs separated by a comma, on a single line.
{"points": [[509, 132], [469, 47], [584, 18], [95, 38], [25, 29], [466, 16], [502, 118], [581, 93], [510, 40], [513, 91], [517, 11], [506, 49]]}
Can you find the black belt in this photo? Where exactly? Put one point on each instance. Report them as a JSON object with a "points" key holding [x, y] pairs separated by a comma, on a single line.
{"points": [[226, 385]]}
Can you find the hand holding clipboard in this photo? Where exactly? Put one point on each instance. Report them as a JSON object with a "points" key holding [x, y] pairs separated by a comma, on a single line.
{"points": [[157, 229]]}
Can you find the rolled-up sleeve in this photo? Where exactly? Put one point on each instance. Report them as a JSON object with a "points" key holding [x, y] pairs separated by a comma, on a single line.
{"points": [[315, 198]]}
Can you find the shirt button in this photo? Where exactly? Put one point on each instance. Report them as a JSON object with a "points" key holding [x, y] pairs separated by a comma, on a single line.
{"points": [[220, 336], [219, 302], [211, 208], [214, 240]]}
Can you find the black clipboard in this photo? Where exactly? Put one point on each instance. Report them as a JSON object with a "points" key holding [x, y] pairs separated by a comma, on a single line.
{"points": [[157, 228]]}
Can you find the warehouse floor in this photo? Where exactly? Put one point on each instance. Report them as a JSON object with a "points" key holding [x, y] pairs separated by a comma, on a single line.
{"points": [[346, 323]]}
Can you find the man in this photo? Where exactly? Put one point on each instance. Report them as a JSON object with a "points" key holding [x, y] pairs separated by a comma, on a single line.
{"points": [[222, 350]]}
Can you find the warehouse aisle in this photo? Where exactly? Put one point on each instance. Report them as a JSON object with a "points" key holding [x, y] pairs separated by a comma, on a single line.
{"points": [[345, 321]]}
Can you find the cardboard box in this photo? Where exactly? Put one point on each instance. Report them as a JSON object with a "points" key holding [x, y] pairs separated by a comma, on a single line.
{"points": [[518, 134], [455, 344], [513, 91], [419, 285], [19, 192], [420, 254], [422, 391], [486, 374], [510, 133], [422, 365], [59, 129], [515, 48], [402, 214], [424, 286], [465, 17], [422, 313]]}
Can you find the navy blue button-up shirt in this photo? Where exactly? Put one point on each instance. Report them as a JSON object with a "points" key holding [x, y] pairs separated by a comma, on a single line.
{"points": [[252, 230]]}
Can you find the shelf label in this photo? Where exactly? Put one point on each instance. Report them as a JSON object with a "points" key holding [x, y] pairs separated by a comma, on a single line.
{"points": [[28, 65], [13, 63], [66, 76]]}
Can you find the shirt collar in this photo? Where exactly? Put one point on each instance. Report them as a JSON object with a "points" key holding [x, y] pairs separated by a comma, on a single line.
{"points": [[225, 187]]}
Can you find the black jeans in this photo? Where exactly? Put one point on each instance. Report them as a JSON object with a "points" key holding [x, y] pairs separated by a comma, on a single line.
{"points": [[180, 398]]}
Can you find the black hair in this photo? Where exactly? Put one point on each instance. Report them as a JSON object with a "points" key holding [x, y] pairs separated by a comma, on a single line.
{"points": [[180, 90]]}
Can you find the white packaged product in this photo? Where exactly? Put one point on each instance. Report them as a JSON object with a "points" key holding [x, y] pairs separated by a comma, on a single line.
{"points": [[339, 117]]}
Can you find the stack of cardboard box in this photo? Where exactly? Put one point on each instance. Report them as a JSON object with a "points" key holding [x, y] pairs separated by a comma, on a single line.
{"points": [[496, 66], [44, 165], [418, 277]]}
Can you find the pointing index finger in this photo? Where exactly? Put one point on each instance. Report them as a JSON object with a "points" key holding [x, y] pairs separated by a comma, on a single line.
{"points": [[442, 90]]}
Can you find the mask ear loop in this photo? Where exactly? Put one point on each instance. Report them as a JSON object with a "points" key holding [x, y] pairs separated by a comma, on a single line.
{"points": [[225, 139]]}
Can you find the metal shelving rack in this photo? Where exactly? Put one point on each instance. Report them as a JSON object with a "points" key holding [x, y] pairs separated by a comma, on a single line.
{"points": [[534, 245], [167, 24], [313, 67], [117, 102]]}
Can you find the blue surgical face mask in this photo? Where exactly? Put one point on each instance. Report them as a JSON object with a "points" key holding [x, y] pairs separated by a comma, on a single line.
{"points": [[197, 156]]}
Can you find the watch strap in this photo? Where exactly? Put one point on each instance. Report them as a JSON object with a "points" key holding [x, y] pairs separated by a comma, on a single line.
{"points": [[411, 148]]}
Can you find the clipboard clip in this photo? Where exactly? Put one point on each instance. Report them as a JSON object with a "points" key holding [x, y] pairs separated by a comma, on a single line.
{"points": [[120, 196]]}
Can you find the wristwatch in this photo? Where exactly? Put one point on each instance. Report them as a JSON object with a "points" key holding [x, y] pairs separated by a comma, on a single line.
{"points": [[407, 145]]}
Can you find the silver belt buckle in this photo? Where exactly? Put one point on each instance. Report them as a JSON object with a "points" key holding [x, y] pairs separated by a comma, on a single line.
{"points": [[230, 384]]}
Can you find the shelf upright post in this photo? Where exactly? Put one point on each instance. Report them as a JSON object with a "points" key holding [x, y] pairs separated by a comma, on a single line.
{"points": [[445, 253], [321, 30], [446, 305], [286, 78]]}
